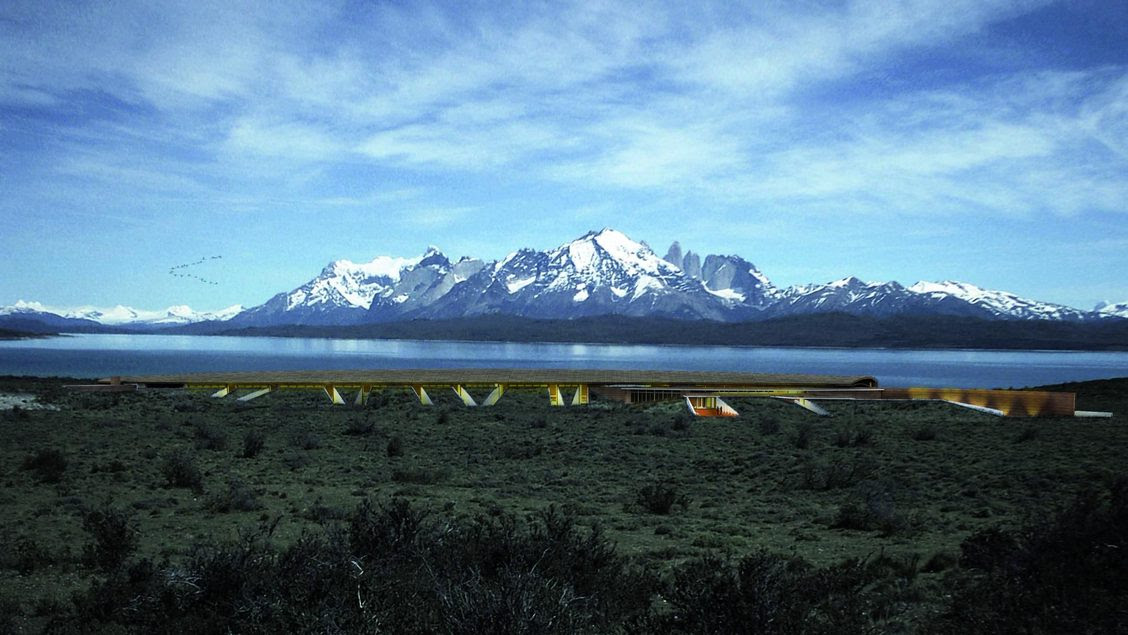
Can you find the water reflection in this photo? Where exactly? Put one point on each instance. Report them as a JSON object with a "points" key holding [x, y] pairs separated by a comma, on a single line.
{"points": [[103, 355]]}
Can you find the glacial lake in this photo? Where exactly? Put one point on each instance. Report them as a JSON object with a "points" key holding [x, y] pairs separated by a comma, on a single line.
{"points": [[92, 356]]}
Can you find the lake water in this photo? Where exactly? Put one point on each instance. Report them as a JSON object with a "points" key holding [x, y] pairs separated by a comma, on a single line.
{"points": [[106, 355]]}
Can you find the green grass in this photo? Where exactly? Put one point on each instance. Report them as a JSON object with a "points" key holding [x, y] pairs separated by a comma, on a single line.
{"points": [[907, 481]]}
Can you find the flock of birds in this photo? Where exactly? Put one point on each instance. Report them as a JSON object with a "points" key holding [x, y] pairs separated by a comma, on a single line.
{"points": [[177, 270]]}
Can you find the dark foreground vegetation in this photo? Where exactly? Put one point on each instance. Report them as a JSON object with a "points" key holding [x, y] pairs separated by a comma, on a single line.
{"points": [[168, 510]]}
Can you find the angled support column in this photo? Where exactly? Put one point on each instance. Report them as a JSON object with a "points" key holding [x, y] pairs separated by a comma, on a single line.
{"points": [[334, 396], [554, 397], [256, 394], [362, 395], [971, 406], [223, 392], [463, 395], [498, 391], [581, 396], [421, 393], [807, 404]]}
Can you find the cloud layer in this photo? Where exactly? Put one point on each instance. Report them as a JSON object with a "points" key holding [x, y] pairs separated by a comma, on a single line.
{"points": [[905, 110]]}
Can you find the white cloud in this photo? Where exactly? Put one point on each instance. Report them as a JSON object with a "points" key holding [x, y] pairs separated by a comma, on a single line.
{"points": [[730, 103]]}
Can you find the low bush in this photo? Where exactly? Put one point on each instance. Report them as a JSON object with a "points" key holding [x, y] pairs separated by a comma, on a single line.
{"points": [[768, 425], [837, 473], [237, 497], [1065, 573], [359, 426], [847, 437], [389, 568], [394, 447], [26, 555], [179, 469], [253, 443], [660, 498], [48, 465], [765, 593], [871, 509], [420, 475], [1029, 433], [804, 435], [114, 538], [924, 433], [210, 436], [296, 460], [307, 440]]}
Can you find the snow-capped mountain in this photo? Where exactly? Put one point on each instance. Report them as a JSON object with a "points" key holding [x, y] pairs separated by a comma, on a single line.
{"points": [[997, 304], [1119, 309], [422, 284], [600, 273], [884, 299], [606, 272], [340, 294], [848, 295], [121, 315]]}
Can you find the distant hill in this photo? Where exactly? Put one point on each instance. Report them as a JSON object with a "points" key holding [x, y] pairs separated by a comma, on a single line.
{"points": [[826, 329], [11, 334]]}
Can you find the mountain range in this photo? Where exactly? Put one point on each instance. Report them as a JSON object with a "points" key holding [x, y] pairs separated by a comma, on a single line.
{"points": [[601, 273]]}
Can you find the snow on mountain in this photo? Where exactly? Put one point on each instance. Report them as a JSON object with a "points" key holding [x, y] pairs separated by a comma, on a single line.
{"points": [[999, 304], [884, 299], [120, 315], [422, 284], [340, 294], [848, 295], [1104, 309], [599, 273]]}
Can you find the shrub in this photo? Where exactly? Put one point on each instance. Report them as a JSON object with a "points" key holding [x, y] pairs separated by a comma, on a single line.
{"points": [[924, 433], [1067, 572], [1029, 433], [681, 422], [872, 509], [768, 425], [179, 470], [210, 436], [48, 465], [27, 555], [253, 443], [395, 447], [296, 460], [237, 497], [307, 440], [764, 593], [804, 434], [660, 498], [520, 451], [114, 538], [359, 426], [837, 474], [420, 475], [863, 437]]}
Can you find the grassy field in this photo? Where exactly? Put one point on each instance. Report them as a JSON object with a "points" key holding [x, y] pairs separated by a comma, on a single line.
{"points": [[897, 483]]}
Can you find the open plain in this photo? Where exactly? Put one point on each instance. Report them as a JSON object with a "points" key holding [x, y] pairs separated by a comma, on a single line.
{"points": [[112, 499]]}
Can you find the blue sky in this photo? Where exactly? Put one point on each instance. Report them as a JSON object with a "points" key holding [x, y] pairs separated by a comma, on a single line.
{"points": [[974, 140]]}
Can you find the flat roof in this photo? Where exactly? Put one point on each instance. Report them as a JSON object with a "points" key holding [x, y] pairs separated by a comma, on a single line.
{"points": [[510, 376]]}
